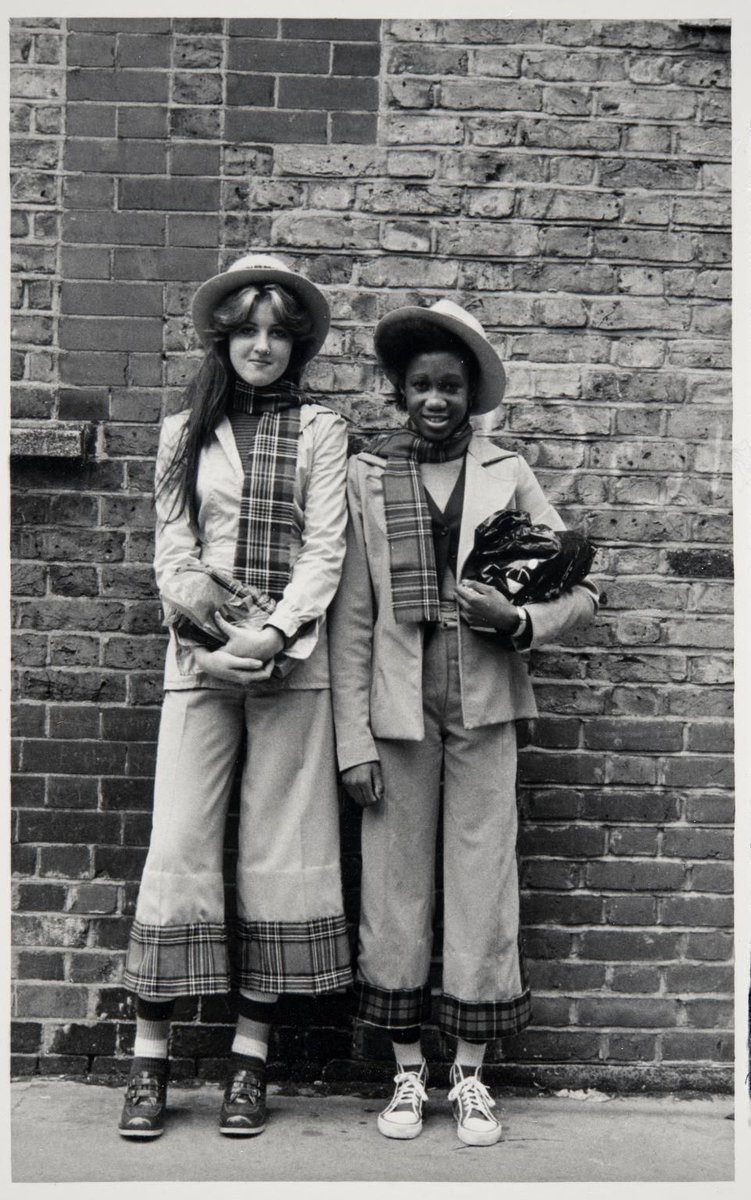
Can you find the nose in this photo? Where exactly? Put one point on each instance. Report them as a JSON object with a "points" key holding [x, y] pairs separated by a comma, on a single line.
{"points": [[434, 398], [262, 342]]}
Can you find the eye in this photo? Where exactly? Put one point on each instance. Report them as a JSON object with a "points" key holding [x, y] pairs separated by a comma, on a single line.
{"points": [[278, 331]]}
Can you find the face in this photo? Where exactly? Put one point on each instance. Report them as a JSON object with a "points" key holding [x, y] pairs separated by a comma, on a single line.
{"points": [[260, 350], [436, 391]]}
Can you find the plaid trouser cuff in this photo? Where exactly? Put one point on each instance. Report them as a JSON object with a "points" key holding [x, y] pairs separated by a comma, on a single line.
{"points": [[164, 961], [293, 956], [486, 1021], [397, 1008]]}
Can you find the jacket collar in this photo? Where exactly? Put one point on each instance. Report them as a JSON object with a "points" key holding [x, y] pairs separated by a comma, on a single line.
{"points": [[485, 450], [226, 438], [482, 448]]}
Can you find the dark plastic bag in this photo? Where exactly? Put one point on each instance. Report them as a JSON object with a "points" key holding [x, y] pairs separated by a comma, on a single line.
{"points": [[528, 563]]}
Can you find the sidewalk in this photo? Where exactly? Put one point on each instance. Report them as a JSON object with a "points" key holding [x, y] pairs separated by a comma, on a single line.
{"points": [[65, 1132]]}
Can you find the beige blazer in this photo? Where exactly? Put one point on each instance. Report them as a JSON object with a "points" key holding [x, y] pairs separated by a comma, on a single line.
{"points": [[376, 664], [320, 513]]}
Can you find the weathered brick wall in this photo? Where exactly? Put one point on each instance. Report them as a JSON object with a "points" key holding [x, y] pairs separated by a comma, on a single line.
{"points": [[568, 181]]}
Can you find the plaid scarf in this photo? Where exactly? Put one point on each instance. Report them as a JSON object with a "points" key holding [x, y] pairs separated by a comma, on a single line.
{"points": [[267, 517], [414, 580]]}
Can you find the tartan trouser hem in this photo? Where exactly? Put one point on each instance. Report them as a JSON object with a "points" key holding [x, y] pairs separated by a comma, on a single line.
{"points": [[391, 1008], [486, 1021], [401, 1008], [294, 956], [165, 961]]}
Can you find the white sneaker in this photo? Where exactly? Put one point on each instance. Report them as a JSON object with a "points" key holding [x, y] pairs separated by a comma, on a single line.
{"points": [[475, 1123], [402, 1118]]}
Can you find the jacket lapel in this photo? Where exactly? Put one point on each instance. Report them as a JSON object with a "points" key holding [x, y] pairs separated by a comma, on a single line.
{"points": [[489, 487], [227, 441]]}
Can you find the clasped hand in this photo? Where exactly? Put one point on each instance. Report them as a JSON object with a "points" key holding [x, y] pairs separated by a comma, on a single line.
{"points": [[481, 604], [247, 656]]}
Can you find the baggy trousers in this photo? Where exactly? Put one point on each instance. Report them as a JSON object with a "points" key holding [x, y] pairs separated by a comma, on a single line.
{"points": [[291, 931], [484, 991]]}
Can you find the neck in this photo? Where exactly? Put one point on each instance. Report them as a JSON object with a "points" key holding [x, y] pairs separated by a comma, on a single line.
{"points": [[247, 398]]}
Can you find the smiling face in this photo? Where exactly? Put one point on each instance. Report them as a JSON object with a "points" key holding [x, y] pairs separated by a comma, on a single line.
{"points": [[437, 394], [260, 349]]}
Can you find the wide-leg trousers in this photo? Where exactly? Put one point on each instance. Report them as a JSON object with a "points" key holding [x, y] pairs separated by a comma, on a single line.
{"points": [[290, 932], [484, 991]]}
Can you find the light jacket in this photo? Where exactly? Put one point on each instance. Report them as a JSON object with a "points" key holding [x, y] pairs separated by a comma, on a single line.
{"points": [[317, 549], [377, 664]]}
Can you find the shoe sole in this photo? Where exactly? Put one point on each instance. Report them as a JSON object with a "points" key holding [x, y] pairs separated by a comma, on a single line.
{"points": [[471, 1138], [233, 1131], [401, 1133], [147, 1134]]}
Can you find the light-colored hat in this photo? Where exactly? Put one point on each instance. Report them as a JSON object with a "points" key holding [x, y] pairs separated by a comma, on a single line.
{"points": [[444, 314], [261, 268]]}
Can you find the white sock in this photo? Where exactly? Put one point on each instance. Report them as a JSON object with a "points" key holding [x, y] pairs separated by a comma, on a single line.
{"points": [[151, 1038], [470, 1054], [252, 1036], [407, 1054]]}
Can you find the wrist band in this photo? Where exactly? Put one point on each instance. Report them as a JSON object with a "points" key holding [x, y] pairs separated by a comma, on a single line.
{"points": [[523, 622]]}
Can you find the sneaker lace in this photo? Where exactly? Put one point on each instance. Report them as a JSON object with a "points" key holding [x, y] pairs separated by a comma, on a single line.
{"points": [[471, 1093], [409, 1090]]}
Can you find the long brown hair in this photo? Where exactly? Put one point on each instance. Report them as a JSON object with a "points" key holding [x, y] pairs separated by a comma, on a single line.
{"points": [[209, 391]]}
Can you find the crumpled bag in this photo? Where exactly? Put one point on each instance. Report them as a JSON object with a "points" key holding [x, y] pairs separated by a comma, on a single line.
{"points": [[196, 593], [527, 563]]}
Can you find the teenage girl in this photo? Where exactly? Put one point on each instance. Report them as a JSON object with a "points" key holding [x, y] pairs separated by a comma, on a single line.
{"points": [[428, 682], [250, 481]]}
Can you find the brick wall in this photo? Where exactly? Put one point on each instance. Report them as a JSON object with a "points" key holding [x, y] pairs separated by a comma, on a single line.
{"points": [[568, 181]]}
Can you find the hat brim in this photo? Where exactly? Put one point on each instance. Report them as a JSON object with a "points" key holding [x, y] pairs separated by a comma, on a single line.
{"points": [[216, 289], [492, 382]]}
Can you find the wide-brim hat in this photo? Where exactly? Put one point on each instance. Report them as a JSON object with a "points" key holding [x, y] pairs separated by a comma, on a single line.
{"points": [[395, 328], [258, 269]]}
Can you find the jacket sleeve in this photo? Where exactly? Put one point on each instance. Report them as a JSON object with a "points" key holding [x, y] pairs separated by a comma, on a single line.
{"points": [[351, 622], [176, 542], [576, 606], [316, 571]]}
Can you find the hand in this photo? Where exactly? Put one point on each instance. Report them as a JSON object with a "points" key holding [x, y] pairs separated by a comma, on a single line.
{"points": [[364, 783], [481, 604], [247, 641], [230, 669]]}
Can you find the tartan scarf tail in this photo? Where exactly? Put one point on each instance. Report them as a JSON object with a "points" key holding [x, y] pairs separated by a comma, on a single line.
{"points": [[267, 511], [414, 578]]}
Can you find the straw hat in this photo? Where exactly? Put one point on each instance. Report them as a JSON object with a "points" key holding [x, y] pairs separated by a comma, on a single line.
{"points": [[258, 269], [395, 328]]}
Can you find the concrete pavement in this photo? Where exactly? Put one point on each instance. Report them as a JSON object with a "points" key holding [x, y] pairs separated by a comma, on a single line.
{"points": [[64, 1131]]}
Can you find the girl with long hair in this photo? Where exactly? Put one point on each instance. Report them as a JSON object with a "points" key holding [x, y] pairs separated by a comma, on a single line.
{"points": [[250, 494]]}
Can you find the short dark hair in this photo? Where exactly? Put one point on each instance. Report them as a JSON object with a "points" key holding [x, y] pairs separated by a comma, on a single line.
{"points": [[398, 348]]}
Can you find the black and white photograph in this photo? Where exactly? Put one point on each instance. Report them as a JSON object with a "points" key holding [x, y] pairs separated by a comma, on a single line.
{"points": [[373, 433]]}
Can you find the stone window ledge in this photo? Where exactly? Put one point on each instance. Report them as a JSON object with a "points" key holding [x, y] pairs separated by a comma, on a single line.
{"points": [[53, 439]]}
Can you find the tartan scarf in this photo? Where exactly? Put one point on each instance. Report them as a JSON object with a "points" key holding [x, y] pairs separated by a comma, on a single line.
{"points": [[264, 533], [414, 579]]}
